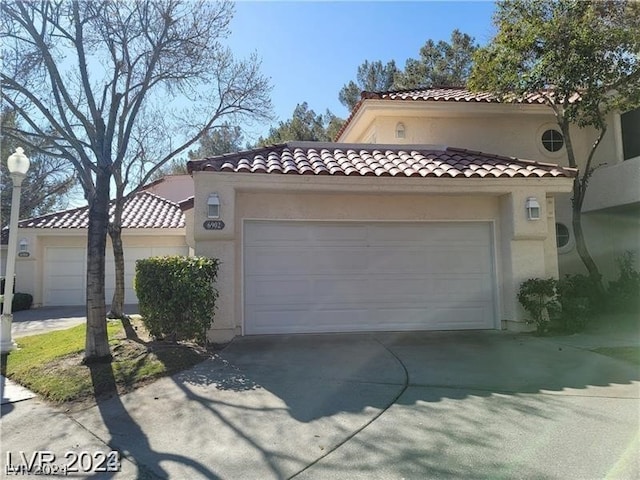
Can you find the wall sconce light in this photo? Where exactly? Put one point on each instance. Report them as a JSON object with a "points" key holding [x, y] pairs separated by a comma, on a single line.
{"points": [[23, 245], [400, 133], [533, 208], [213, 205]]}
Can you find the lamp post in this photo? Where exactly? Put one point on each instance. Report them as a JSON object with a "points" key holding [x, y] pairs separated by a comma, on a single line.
{"points": [[18, 165]]}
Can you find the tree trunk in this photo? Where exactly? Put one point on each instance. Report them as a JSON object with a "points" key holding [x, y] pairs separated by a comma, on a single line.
{"points": [[97, 344], [581, 247], [579, 191], [117, 302]]}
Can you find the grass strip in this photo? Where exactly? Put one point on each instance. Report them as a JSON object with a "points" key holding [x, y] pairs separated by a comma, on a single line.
{"points": [[628, 354], [50, 364]]}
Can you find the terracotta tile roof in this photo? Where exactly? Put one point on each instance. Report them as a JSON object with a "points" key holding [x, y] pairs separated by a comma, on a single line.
{"points": [[315, 158], [446, 94], [455, 94], [143, 210]]}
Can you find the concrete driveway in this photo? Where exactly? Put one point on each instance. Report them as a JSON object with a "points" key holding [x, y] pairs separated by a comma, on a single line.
{"points": [[419, 405], [46, 319]]}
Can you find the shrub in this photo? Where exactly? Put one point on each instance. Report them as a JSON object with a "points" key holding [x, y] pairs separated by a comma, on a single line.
{"points": [[21, 301], [539, 298], [176, 295], [578, 296], [624, 293]]}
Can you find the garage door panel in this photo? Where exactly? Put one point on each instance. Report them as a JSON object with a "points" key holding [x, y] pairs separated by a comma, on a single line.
{"points": [[274, 291], [64, 276], [368, 276], [308, 321]]}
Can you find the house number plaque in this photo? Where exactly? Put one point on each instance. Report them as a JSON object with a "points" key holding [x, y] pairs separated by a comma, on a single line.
{"points": [[213, 225]]}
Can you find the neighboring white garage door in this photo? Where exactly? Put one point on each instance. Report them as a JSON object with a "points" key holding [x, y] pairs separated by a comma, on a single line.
{"points": [[305, 277], [65, 273]]}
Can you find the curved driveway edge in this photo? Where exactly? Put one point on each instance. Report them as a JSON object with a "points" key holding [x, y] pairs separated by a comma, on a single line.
{"points": [[264, 408], [497, 405], [476, 405]]}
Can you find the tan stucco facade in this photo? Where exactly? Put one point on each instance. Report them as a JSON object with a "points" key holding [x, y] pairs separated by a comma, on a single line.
{"points": [[523, 248], [516, 130], [30, 275]]}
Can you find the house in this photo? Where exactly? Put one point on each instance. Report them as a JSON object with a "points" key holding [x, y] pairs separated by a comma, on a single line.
{"points": [[427, 213], [403, 224], [340, 237], [524, 129], [51, 263]]}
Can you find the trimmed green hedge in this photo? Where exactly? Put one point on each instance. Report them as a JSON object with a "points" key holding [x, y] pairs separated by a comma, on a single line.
{"points": [[21, 301], [176, 295]]}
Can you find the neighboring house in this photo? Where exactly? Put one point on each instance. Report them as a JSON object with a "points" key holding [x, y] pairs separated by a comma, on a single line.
{"points": [[53, 269], [337, 237], [172, 187], [524, 129]]}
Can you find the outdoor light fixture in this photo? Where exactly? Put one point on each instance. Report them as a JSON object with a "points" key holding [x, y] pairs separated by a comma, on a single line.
{"points": [[23, 245], [533, 208], [213, 205], [400, 130], [18, 165]]}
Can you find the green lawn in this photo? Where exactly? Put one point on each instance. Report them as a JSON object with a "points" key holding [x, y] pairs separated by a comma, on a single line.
{"points": [[50, 364], [628, 354]]}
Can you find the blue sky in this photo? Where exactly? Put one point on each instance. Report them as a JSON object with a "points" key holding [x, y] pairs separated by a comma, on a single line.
{"points": [[309, 50]]}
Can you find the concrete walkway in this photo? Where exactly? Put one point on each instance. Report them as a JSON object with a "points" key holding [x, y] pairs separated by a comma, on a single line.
{"points": [[419, 405], [41, 320]]}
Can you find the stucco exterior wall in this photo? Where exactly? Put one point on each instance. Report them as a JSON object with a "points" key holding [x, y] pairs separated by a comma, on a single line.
{"points": [[30, 270], [523, 248], [516, 130], [173, 187], [505, 130]]}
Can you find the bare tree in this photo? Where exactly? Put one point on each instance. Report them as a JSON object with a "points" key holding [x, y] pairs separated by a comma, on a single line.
{"points": [[118, 89], [49, 184]]}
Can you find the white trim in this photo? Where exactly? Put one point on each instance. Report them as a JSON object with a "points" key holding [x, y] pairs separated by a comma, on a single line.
{"points": [[497, 310], [617, 137], [497, 279], [542, 149]]}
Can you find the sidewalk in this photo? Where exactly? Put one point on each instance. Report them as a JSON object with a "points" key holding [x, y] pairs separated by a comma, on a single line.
{"points": [[46, 319]]}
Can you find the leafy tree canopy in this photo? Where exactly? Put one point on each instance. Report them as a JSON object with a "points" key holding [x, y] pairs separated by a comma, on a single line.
{"points": [[582, 57], [439, 64], [225, 139], [372, 77], [304, 125], [567, 47]]}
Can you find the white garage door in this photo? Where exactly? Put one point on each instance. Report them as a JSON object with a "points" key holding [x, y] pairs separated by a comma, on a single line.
{"points": [[65, 272], [64, 275], [305, 277]]}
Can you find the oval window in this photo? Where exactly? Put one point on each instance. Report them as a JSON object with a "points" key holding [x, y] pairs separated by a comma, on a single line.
{"points": [[552, 140], [562, 235]]}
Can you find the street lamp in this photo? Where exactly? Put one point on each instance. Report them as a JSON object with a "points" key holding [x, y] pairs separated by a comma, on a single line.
{"points": [[18, 165]]}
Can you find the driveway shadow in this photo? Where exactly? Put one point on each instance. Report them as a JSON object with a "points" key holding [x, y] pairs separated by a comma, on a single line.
{"points": [[127, 437], [317, 375], [500, 362], [463, 398]]}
